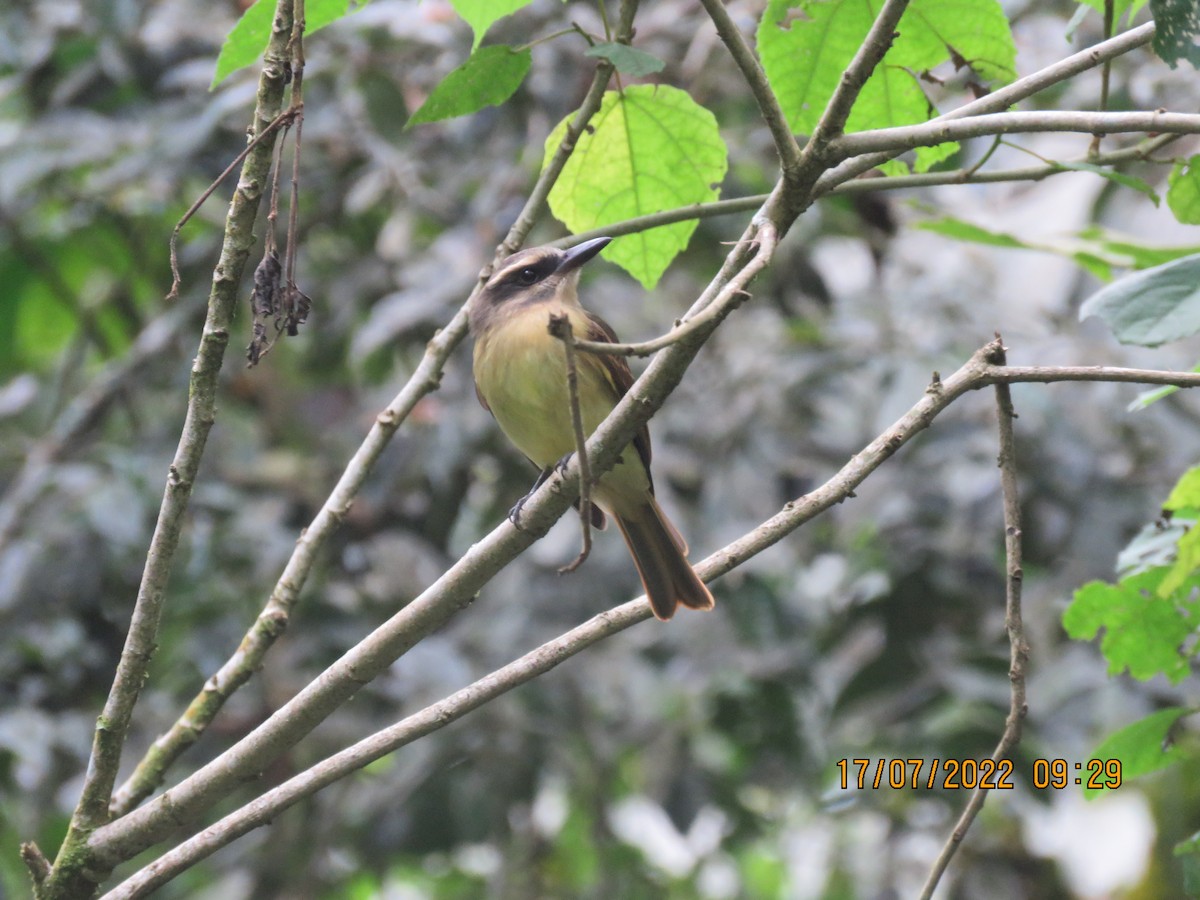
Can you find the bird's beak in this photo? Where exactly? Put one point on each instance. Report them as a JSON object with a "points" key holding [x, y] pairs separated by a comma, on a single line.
{"points": [[581, 253]]}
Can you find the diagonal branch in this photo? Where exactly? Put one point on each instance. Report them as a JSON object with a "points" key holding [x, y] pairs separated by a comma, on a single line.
{"points": [[756, 78]]}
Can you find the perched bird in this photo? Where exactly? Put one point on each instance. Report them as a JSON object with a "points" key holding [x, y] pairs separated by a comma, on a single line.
{"points": [[521, 378]]}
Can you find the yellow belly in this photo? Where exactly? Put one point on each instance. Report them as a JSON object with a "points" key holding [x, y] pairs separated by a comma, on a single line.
{"points": [[521, 373]]}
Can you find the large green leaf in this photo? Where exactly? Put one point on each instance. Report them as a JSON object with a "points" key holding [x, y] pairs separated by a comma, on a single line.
{"points": [[649, 148], [249, 37], [1177, 31], [488, 77], [480, 14], [1143, 747], [1152, 306], [805, 45]]}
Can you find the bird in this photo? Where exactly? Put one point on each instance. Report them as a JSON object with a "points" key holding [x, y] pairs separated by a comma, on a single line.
{"points": [[521, 379]]}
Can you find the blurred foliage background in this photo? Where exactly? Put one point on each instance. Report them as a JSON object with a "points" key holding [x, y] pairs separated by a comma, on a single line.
{"points": [[696, 759]]}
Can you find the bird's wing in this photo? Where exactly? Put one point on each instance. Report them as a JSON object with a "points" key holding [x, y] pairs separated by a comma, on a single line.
{"points": [[618, 372]]}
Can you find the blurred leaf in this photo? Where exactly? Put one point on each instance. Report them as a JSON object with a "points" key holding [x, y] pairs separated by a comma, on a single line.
{"points": [[1187, 561], [764, 874], [1153, 547], [1152, 306], [1141, 256], [1112, 175], [1142, 633], [1096, 266], [1142, 747], [1186, 493], [1147, 398], [1120, 7], [1189, 858], [480, 14], [1183, 191], [249, 37], [649, 148], [628, 60], [1177, 31], [489, 77], [804, 54], [965, 231]]}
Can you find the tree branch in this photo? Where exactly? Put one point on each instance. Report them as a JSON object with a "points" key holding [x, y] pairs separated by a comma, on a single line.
{"points": [[71, 876], [756, 78], [1018, 648], [560, 327], [727, 301], [897, 140]]}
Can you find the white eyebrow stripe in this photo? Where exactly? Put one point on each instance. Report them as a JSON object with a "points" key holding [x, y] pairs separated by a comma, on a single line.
{"points": [[517, 263]]}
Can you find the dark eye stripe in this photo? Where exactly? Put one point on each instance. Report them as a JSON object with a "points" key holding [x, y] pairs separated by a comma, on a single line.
{"points": [[511, 275]]}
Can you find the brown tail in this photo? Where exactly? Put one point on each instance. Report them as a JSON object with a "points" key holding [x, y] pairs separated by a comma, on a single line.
{"points": [[660, 555]]}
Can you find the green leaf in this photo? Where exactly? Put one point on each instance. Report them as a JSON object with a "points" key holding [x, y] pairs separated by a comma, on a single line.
{"points": [[249, 37], [1177, 31], [1187, 561], [1141, 256], [1150, 397], [649, 148], [489, 77], [628, 60], [1099, 267], [1152, 306], [966, 231], [480, 14], [1142, 632], [1186, 493], [805, 52], [1118, 177], [1143, 747], [1183, 191]]}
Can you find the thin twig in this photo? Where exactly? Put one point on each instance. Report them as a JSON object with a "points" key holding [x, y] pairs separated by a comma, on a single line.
{"points": [[756, 78], [1105, 73], [729, 299], [978, 372], [297, 104], [906, 137], [284, 118], [1018, 648], [272, 621], [560, 327]]}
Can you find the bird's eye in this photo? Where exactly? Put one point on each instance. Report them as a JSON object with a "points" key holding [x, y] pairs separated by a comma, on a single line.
{"points": [[527, 276]]}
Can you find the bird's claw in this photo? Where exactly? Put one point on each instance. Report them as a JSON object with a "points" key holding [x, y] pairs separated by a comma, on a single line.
{"points": [[561, 466]]}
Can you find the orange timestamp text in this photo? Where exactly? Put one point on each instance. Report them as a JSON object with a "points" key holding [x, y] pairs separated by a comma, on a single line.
{"points": [[969, 774]]}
